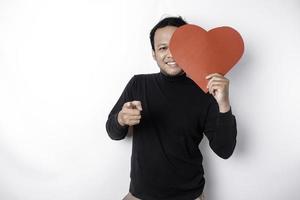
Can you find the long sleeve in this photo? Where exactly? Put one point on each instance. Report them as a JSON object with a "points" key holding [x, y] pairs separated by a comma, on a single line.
{"points": [[166, 162], [221, 131], [113, 128]]}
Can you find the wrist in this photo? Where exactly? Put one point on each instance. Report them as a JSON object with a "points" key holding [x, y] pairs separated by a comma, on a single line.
{"points": [[225, 107]]}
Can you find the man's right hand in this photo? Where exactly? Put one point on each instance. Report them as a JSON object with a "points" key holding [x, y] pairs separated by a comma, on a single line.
{"points": [[130, 114]]}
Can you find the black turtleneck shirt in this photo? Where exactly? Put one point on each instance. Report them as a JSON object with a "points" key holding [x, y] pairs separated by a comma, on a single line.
{"points": [[166, 163]]}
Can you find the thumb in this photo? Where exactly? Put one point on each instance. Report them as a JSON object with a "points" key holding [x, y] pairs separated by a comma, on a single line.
{"points": [[137, 104], [128, 105]]}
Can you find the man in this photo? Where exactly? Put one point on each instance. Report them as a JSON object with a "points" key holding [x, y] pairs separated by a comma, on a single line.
{"points": [[169, 114]]}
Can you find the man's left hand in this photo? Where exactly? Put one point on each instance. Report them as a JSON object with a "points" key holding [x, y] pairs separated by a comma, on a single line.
{"points": [[218, 86]]}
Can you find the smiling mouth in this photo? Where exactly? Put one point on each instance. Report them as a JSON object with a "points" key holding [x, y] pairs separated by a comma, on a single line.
{"points": [[172, 64]]}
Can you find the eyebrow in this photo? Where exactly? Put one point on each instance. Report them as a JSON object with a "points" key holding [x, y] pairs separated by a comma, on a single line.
{"points": [[160, 44]]}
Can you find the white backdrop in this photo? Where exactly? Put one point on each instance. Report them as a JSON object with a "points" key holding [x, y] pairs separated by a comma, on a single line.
{"points": [[64, 63]]}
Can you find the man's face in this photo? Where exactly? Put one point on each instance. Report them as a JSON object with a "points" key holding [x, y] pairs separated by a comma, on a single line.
{"points": [[162, 54]]}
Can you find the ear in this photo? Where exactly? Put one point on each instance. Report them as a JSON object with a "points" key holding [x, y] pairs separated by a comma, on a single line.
{"points": [[153, 55]]}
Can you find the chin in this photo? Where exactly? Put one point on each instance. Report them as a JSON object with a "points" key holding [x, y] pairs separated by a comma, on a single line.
{"points": [[174, 73]]}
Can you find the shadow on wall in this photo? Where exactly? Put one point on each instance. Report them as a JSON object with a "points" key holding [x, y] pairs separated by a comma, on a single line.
{"points": [[242, 135], [243, 69]]}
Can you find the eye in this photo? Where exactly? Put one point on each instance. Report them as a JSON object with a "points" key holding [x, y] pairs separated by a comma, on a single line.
{"points": [[162, 48]]}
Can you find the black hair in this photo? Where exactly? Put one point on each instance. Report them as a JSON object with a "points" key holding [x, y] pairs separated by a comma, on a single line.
{"points": [[168, 21]]}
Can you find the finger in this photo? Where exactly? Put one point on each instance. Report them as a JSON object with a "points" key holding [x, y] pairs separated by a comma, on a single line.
{"points": [[127, 105], [134, 117], [218, 87], [137, 104], [133, 122], [217, 78], [210, 89], [214, 75], [213, 80], [128, 118], [130, 111], [133, 105]]}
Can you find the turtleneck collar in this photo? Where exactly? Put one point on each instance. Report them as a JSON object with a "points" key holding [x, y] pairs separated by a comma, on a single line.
{"points": [[177, 78]]}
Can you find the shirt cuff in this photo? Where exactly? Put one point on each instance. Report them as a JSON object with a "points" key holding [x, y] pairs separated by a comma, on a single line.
{"points": [[226, 118]]}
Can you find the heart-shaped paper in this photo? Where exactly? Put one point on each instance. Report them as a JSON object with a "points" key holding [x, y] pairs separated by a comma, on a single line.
{"points": [[199, 52]]}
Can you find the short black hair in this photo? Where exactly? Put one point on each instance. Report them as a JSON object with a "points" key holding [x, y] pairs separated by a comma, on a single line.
{"points": [[168, 21]]}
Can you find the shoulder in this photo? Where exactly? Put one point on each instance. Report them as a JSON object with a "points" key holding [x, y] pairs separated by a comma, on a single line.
{"points": [[140, 80], [144, 77]]}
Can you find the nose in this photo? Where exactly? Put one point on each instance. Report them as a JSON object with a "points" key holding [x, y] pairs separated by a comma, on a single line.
{"points": [[169, 55]]}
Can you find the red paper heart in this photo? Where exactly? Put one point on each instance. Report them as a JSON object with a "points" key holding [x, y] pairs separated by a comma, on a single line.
{"points": [[199, 52]]}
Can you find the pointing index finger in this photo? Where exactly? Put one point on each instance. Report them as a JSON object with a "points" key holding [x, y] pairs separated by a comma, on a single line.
{"points": [[138, 105]]}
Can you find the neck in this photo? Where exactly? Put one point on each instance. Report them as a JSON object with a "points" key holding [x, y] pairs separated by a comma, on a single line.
{"points": [[178, 77]]}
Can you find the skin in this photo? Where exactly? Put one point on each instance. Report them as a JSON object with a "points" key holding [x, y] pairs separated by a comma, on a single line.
{"points": [[162, 54], [218, 85], [130, 114]]}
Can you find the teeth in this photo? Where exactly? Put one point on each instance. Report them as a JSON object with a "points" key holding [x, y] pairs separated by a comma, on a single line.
{"points": [[171, 63]]}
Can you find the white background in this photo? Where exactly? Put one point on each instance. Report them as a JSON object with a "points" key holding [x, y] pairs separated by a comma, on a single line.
{"points": [[64, 63]]}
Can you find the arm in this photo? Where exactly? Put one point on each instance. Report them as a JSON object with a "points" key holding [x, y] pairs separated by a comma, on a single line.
{"points": [[220, 126], [115, 130], [220, 129]]}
